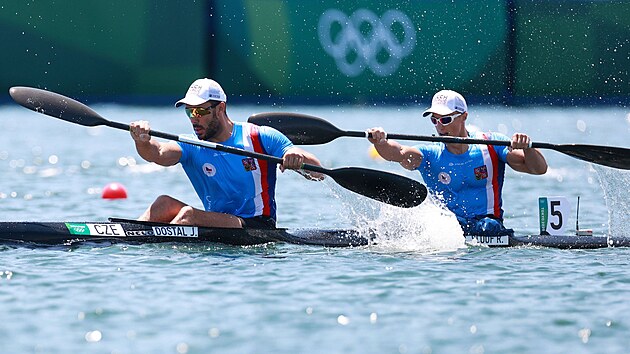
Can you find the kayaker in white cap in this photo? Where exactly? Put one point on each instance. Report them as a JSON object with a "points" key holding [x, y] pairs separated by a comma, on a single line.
{"points": [[467, 178], [236, 191]]}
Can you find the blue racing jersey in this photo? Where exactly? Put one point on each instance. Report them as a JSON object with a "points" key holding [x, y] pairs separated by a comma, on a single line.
{"points": [[469, 184], [235, 184]]}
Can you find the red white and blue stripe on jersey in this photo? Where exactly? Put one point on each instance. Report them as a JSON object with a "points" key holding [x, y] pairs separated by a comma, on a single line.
{"points": [[234, 184], [265, 180], [494, 183], [469, 184]]}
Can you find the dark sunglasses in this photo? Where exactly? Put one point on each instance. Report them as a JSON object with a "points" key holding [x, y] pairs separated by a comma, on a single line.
{"points": [[199, 112], [446, 120]]}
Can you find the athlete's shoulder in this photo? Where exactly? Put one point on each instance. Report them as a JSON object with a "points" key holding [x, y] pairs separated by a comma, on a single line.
{"points": [[430, 147], [490, 135], [502, 151], [265, 130]]}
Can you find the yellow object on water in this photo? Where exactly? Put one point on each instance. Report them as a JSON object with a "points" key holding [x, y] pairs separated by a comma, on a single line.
{"points": [[374, 154]]}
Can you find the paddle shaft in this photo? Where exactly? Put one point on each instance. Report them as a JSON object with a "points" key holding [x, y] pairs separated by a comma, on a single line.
{"points": [[347, 133], [610, 156], [439, 139], [446, 139], [216, 146], [310, 130]]}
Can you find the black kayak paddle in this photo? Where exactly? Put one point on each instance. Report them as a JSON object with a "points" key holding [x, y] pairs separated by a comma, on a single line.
{"points": [[381, 186], [304, 129]]}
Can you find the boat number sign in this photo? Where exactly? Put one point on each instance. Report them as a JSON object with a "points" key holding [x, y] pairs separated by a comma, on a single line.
{"points": [[117, 230], [553, 215]]}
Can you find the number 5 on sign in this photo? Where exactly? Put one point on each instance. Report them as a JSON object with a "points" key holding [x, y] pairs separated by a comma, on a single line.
{"points": [[554, 215]]}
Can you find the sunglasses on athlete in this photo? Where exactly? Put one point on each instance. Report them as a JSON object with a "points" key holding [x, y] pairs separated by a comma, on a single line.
{"points": [[445, 120], [198, 112]]}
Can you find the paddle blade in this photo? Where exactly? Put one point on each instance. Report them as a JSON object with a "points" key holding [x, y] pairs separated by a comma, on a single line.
{"points": [[603, 155], [382, 186], [301, 129], [56, 105]]}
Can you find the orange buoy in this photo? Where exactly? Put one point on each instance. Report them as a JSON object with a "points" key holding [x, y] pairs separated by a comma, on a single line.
{"points": [[114, 191]]}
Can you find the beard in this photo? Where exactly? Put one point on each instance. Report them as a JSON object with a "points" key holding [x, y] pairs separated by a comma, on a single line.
{"points": [[210, 130]]}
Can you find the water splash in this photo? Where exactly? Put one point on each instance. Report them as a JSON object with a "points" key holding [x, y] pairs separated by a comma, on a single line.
{"points": [[615, 182], [429, 227]]}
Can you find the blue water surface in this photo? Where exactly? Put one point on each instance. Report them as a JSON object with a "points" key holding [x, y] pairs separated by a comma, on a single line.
{"points": [[421, 290]]}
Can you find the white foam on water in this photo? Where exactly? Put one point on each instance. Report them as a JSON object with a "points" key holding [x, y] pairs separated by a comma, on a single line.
{"points": [[615, 184], [429, 227]]}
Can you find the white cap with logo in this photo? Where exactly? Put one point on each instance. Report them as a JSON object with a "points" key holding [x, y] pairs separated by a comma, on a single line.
{"points": [[201, 91], [445, 102]]}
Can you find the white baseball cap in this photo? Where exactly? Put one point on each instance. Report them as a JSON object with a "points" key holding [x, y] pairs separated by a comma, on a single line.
{"points": [[201, 91], [445, 102]]}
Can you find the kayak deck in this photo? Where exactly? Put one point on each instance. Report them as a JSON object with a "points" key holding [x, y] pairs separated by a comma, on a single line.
{"points": [[555, 241], [131, 231]]}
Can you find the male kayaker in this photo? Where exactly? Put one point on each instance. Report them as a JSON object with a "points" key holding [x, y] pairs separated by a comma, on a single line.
{"points": [[467, 178], [236, 191]]}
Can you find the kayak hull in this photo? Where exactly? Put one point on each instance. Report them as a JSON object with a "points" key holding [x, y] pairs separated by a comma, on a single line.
{"points": [[128, 231], [137, 232]]}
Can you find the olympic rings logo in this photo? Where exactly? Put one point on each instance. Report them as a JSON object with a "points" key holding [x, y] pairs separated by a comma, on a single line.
{"points": [[354, 51]]}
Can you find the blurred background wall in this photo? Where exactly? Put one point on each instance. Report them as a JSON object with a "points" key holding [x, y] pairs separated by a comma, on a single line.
{"points": [[328, 51]]}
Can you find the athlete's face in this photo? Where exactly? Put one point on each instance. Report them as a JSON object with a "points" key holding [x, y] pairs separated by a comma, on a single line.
{"points": [[449, 124], [204, 120]]}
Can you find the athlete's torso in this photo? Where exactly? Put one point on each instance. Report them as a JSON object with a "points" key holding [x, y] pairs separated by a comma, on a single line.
{"points": [[234, 184], [470, 184]]}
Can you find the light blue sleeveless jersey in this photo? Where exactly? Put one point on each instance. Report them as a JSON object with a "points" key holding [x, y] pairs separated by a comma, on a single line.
{"points": [[234, 184], [469, 184]]}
